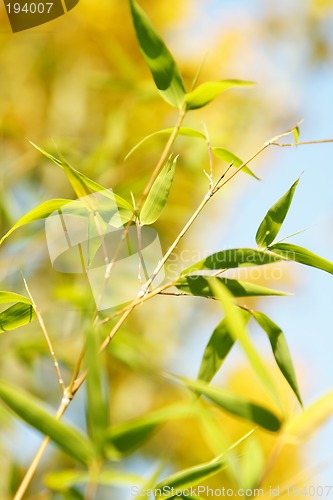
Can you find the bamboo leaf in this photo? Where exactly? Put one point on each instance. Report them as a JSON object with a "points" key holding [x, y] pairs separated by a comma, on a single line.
{"points": [[301, 255], [273, 220], [187, 478], [237, 328], [252, 465], [38, 213], [128, 436], [235, 404], [158, 194], [83, 186], [31, 410], [7, 297], [229, 157], [199, 285], [280, 350], [205, 93], [309, 421], [184, 131], [232, 258], [162, 65], [64, 479], [217, 349], [97, 407], [19, 314], [296, 133]]}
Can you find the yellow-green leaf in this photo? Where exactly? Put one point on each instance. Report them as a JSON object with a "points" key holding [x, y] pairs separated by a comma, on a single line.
{"points": [[158, 194], [301, 255], [15, 316], [7, 297], [280, 350], [252, 464], [206, 92], [273, 220], [32, 411], [229, 157], [199, 285], [237, 328], [232, 258], [162, 65], [64, 479], [309, 421], [235, 404], [38, 213], [217, 349], [187, 478], [128, 436]]}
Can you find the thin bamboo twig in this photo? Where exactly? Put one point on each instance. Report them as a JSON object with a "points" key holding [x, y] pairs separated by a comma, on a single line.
{"points": [[47, 338]]}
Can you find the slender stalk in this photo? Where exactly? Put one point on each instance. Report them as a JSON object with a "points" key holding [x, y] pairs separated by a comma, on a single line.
{"points": [[47, 338]]}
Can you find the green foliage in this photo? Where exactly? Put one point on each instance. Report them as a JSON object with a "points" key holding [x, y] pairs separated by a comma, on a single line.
{"points": [[110, 439]]}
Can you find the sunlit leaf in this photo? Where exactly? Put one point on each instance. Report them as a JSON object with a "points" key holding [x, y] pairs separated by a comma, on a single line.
{"points": [[199, 285], [273, 220], [232, 258], [184, 131], [19, 314], [162, 65], [280, 350], [235, 404], [7, 297], [97, 406], [296, 133], [252, 464], [38, 213], [64, 479], [32, 411], [217, 349], [301, 255], [158, 194], [310, 420], [229, 157], [206, 92], [130, 435], [187, 478], [82, 185], [237, 328]]}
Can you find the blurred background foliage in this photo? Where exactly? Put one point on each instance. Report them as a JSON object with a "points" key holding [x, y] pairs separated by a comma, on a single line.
{"points": [[79, 85]]}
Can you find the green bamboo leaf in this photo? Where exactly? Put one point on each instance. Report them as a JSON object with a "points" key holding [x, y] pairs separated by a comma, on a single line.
{"points": [[158, 194], [82, 185], [19, 314], [205, 93], [64, 479], [309, 421], [199, 285], [235, 404], [232, 258], [162, 65], [38, 213], [97, 406], [184, 131], [130, 435], [252, 465], [296, 133], [280, 350], [273, 220], [7, 297], [229, 157], [32, 411], [217, 349], [301, 255], [237, 328], [188, 477]]}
